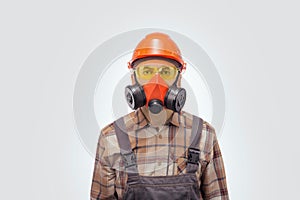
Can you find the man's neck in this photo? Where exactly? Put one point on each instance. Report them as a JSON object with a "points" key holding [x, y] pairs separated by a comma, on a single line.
{"points": [[157, 120]]}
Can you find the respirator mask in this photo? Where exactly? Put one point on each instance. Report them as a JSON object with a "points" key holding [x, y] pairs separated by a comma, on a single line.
{"points": [[156, 87]]}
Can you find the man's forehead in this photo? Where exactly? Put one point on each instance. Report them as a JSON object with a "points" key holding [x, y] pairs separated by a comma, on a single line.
{"points": [[155, 62], [156, 59]]}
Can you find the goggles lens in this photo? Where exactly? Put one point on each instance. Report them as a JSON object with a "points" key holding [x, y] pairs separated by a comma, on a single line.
{"points": [[146, 72]]}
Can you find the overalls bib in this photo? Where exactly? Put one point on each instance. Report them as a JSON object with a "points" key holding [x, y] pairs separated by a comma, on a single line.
{"points": [[173, 187]]}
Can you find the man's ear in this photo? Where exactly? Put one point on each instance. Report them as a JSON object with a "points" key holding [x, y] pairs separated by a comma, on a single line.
{"points": [[179, 80], [132, 79]]}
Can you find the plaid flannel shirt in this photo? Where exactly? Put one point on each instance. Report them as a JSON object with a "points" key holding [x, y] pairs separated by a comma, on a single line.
{"points": [[159, 152]]}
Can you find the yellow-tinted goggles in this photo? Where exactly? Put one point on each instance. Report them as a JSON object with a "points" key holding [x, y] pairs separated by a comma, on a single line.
{"points": [[146, 72]]}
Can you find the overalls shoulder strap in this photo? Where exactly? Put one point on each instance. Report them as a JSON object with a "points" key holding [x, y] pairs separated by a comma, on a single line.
{"points": [[193, 150], [127, 154]]}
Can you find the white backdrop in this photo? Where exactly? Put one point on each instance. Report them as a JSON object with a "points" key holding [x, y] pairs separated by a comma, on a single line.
{"points": [[253, 44]]}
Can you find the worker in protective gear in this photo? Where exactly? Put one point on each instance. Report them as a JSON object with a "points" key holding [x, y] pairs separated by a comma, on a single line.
{"points": [[158, 151]]}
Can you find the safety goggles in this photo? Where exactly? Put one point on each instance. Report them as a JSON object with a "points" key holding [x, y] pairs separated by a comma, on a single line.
{"points": [[146, 72]]}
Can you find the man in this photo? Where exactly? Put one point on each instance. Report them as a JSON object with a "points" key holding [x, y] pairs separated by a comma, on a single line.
{"points": [[158, 151]]}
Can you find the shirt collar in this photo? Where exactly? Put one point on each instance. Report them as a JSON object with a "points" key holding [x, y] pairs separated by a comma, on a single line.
{"points": [[140, 120]]}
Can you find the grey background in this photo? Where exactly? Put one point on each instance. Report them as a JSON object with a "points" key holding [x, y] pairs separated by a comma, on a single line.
{"points": [[43, 44]]}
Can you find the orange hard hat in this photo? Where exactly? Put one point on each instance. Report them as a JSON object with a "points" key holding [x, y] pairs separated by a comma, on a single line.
{"points": [[157, 45]]}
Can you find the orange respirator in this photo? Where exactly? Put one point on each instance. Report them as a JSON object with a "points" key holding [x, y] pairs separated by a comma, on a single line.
{"points": [[155, 94]]}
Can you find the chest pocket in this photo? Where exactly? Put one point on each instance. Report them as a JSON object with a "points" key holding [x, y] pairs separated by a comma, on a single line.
{"points": [[178, 187]]}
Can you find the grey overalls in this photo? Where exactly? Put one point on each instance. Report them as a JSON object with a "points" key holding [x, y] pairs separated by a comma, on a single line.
{"points": [[173, 187]]}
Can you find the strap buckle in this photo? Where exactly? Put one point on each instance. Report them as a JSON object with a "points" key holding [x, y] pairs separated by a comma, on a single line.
{"points": [[193, 156], [129, 159]]}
